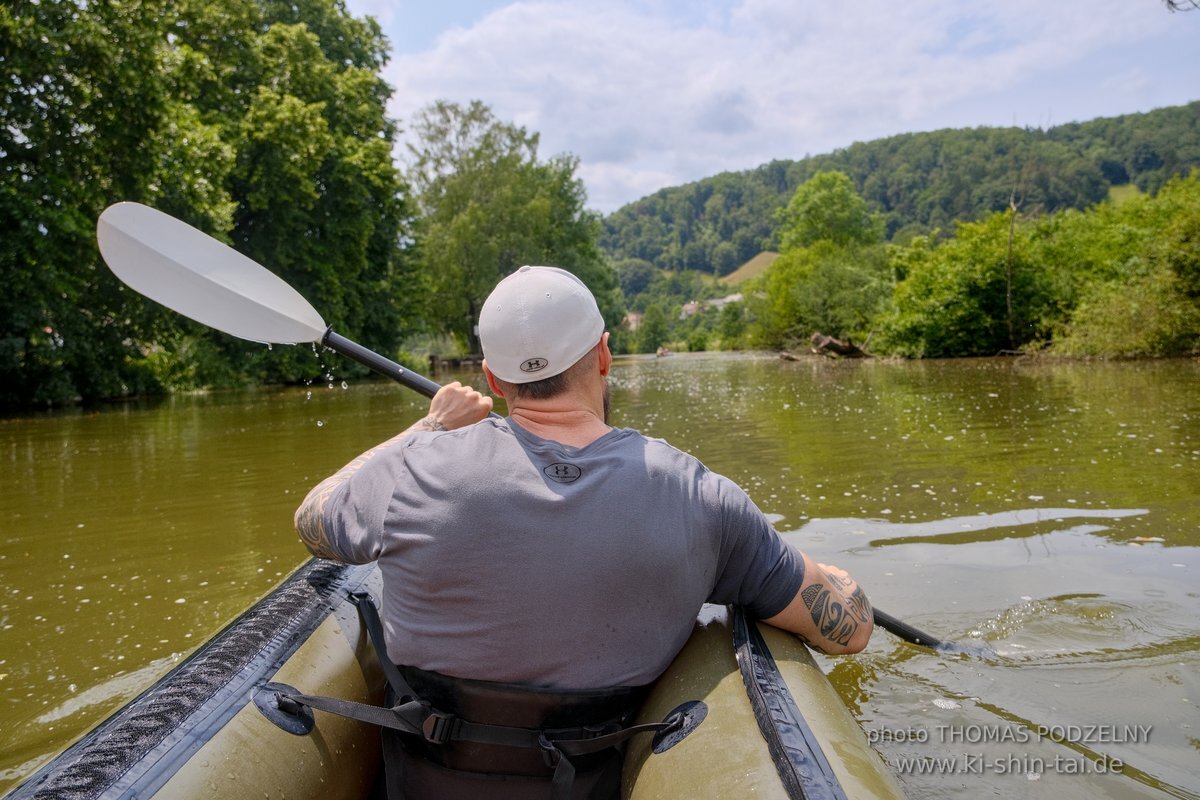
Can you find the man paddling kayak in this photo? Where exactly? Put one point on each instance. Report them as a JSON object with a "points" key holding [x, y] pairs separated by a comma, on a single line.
{"points": [[545, 560]]}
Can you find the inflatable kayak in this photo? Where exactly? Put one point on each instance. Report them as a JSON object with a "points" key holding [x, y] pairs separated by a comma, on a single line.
{"points": [[769, 723]]}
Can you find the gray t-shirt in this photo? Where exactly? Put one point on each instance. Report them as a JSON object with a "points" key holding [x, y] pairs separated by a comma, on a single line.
{"points": [[507, 557]]}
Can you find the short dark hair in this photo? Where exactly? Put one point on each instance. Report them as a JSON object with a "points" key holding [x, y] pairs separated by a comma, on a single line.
{"points": [[552, 386]]}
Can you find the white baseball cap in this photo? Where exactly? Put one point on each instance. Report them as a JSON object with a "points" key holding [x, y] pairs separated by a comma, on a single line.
{"points": [[536, 323]]}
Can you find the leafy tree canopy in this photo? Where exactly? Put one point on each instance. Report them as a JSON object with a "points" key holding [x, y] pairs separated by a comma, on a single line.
{"points": [[489, 206], [826, 208], [262, 123]]}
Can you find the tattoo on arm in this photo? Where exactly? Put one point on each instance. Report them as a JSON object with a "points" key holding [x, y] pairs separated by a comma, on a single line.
{"points": [[860, 605], [838, 580], [833, 620], [310, 521]]}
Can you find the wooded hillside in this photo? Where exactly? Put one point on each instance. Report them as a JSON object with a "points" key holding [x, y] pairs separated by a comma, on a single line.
{"points": [[917, 182]]}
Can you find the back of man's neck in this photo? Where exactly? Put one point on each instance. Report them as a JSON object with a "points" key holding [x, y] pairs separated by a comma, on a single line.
{"points": [[571, 425]]}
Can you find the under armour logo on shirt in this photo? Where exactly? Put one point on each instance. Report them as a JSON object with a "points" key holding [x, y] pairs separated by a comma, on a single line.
{"points": [[563, 473]]}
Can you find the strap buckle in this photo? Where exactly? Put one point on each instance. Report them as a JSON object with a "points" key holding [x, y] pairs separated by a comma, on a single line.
{"points": [[551, 755], [438, 728]]}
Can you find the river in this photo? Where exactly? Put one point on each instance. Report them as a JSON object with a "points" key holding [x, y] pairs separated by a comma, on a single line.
{"points": [[1046, 514]]}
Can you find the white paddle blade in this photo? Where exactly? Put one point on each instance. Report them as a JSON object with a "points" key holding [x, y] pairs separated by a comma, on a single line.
{"points": [[190, 272]]}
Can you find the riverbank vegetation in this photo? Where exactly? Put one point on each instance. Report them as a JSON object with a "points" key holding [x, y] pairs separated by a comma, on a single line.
{"points": [[265, 126], [1119, 279]]}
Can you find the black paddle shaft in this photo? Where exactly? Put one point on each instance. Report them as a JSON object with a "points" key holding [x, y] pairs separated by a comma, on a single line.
{"points": [[384, 366], [905, 631]]}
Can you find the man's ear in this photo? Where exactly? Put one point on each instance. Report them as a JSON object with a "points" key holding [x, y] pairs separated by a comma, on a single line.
{"points": [[605, 354], [491, 380]]}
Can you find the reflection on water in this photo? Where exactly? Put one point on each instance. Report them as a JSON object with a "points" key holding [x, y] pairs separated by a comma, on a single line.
{"points": [[1051, 512]]}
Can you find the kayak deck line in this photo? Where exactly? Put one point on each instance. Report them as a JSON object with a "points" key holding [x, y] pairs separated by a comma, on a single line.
{"points": [[140, 747], [729, 755], [802, 765]]}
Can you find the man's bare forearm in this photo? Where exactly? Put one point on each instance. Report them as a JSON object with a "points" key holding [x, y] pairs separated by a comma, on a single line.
{"points": [[838, 608], [830, 611]]}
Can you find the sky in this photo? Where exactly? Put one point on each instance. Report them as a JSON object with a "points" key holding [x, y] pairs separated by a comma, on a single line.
{"points": [[660, 93]]}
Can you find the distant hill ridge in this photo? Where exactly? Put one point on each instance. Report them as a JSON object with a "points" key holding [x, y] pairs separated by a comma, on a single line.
{"points": [[918, 182]]}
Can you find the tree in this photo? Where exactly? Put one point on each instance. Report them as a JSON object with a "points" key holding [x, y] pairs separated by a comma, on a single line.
{"points": [[652, 332], [952, 296], [827, 208], [635, 275], [261, 123], [838, 291], [490, 206], [81, 103], [318, 197], [731, 326]]}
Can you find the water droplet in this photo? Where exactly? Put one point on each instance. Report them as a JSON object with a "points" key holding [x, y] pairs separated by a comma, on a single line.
{"points": [[308, 395], [345, 385], [320, 423], [269, 347]]}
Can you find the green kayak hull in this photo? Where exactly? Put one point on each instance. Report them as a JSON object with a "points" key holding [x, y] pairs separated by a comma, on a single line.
{"points": [[202, 732]]}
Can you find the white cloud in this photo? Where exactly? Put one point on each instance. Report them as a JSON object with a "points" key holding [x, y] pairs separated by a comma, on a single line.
{"points": [[648, 98]]}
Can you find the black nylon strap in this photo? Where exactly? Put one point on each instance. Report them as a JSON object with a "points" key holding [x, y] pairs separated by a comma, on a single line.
{"points": [[370, 617], [413, 716], [570, 742], [580, 747], [406, 718]]}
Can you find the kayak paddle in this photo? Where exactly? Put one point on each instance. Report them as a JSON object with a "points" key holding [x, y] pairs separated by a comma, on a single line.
{"points": [[192, 273]]}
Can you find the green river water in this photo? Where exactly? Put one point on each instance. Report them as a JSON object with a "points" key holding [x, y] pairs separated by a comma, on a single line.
{"points": [[1050, 511]]}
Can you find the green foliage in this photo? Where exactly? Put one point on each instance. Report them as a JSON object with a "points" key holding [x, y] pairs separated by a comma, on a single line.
{"points": [[1145, 315], [1114, 280], [490, 206], [82, 93], [1147, 302], [953, 298], [635, 275], [683, 316], [917, 183], [653, 332], [261, 122], [824, 288], [731, 327], [827, 209], [832, 276]]}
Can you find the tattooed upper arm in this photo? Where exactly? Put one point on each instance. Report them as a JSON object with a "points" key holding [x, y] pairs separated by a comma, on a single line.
{"points": [[310, 521], [830, 612]]}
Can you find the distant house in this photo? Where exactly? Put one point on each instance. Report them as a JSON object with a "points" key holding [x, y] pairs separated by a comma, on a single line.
{"points": [[724, 301], [695, 307]]}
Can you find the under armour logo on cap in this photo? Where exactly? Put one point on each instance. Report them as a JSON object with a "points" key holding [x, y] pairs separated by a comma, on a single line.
{"points": [[534, 365]]}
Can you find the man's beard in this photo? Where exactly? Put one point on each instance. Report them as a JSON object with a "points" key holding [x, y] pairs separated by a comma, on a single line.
{"points": [[607, 401]]}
